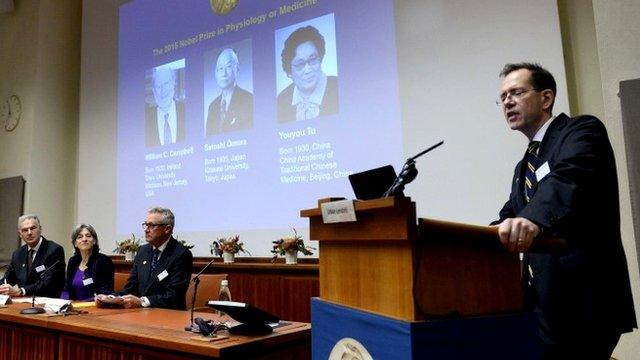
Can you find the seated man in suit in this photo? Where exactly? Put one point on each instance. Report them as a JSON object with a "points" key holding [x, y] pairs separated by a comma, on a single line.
{"points": [[233, 108], [26, 274], [165, 122], [311, 93], [161, 269]]}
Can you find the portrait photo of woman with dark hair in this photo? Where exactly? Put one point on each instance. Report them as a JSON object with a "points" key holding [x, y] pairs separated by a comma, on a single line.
{"points": [[312, 93]]}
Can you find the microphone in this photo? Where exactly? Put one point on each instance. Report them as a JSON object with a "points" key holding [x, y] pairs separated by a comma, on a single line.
{"points": [[408, 173], [33, 309], [196, 281]]}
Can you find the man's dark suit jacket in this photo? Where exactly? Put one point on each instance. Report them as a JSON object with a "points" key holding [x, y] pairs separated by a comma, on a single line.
{"points": [[99, 268], [52, 281], [586, 286], [152, 137], [287, 112], [168, 292], [239, 113]]}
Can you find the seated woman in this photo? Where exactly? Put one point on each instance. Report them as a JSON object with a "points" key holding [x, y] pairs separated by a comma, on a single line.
{"points": [[89, 272]]}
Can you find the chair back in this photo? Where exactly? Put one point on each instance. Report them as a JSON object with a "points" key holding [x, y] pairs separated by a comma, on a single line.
{"points": [[208, 289], [119, 280]]}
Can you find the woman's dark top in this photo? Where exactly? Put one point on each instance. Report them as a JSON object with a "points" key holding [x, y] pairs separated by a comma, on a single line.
{"points": [[97, 278]]}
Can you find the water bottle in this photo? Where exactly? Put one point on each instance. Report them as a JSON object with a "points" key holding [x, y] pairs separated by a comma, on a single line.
{"points": [[224, 294]]}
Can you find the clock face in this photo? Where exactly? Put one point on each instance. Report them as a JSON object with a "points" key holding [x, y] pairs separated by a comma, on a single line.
{"points": [[15, 112]]}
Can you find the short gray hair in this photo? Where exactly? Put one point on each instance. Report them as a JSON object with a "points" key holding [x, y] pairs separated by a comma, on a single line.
{"points": [[26, 217], [167, 216]]}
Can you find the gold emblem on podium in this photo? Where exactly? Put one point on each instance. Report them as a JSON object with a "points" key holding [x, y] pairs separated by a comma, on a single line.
{"points": [[223, 7]]}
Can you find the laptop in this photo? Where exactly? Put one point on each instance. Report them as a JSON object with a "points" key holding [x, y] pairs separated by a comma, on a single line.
{"points": [[372, 184]]}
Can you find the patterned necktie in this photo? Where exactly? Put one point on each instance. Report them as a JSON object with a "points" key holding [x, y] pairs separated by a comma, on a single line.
{"points": [[530, 180], [154, 261], [167, 130], [223, 110], [30, 259]]}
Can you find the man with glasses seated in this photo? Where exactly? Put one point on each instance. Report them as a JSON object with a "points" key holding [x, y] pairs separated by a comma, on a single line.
{"points": [[312, 93], [37, 267], [565, 186], [161, 269]]}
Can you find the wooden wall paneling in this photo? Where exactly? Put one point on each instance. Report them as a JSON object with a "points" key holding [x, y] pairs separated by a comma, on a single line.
{"points": [[26, 343], [296, 294], [74, 347], [283, 290]]}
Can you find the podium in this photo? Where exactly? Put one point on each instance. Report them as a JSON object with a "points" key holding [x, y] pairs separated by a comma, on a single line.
{"points": [[394, 286], [390, 264]]}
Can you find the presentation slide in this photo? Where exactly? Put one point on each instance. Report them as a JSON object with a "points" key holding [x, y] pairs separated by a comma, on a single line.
{"points": [[237, 114]]}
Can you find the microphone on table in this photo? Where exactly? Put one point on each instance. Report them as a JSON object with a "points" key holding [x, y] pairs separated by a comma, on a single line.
{"points": [[196, 280], [33, 309]]}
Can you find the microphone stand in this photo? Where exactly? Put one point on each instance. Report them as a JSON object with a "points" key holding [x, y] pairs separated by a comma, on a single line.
{"points": [[33, 309], [407, 174], [196, 281]]}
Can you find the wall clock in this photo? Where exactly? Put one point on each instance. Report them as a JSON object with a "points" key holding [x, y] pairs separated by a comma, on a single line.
{"points": [[11, 112]]}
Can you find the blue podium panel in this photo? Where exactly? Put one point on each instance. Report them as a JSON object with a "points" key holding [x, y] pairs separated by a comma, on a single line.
{"points": [[345, 330]]}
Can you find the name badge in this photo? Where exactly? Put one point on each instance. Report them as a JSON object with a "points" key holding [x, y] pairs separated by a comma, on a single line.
{"points": [[338, 212], [40, 268], [87, 281], [542, 171], [163, 275]]}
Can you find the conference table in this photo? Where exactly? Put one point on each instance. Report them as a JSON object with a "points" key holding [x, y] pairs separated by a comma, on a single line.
{"points": [[144, 333]]}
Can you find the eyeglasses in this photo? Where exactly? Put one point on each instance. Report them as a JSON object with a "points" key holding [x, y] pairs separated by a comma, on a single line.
{"points": [[300, 64], [516, 94], [151, 225]]}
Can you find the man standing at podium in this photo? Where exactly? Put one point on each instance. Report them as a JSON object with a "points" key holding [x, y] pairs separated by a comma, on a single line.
{"points": [[565, 186]]}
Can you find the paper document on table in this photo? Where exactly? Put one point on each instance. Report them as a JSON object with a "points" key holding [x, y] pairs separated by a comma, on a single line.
{"points": [[27, 299]]}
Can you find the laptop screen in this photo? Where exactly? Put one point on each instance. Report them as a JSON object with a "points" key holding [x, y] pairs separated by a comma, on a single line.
{"points": [[372, 184]]}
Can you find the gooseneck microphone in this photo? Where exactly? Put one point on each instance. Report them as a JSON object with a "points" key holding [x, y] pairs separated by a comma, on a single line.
{"points": [[33, 309], [407, 174], [196, 281]]}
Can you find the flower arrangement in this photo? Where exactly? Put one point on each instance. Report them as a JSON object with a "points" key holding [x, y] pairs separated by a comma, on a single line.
{"points": [[127, 245], [185, 243], [290, 244], [231, 245]]}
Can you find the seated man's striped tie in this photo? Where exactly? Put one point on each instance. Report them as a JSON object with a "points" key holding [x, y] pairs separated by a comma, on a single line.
{"points": [[530, 174]]}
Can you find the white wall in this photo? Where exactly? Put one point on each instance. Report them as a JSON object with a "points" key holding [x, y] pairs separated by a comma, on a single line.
{"points": [[96, 191], [39, 53], [617, 32], [450, 55]]}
